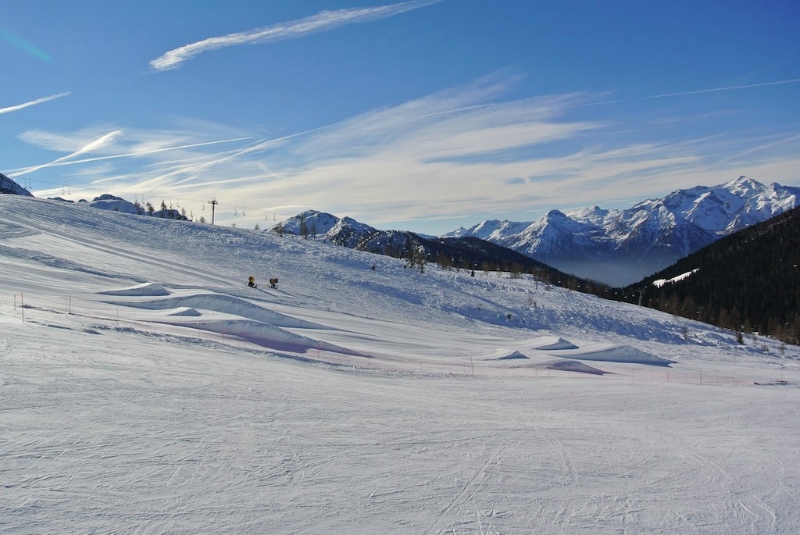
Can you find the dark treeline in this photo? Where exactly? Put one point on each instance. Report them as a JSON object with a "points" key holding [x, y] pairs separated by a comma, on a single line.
{"points": [[478, 254], [467, 253], [748, 281]]}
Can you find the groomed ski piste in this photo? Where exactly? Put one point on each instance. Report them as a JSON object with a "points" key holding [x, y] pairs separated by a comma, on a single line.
{"points": [[144, 388]]}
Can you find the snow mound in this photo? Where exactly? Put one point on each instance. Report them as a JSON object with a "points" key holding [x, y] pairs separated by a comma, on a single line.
{"points": [[551, 343], [506, 354], [148, 289], [116, 204], [622, 354], [266, 335], [184, 311], [228, 305], [573, 366]]}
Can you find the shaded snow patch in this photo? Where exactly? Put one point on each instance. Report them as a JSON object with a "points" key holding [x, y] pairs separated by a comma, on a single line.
{"points": [[573, 366], [184, 311], [266, 335], [551, 343], [227, 305], [622, 354], [506, 354]]}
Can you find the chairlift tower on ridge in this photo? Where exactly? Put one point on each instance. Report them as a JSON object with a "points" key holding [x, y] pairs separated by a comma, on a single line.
{"points": [[213, 203]]}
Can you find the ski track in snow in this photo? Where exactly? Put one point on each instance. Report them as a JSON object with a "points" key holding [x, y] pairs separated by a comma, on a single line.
{"points": [[124, 409]]}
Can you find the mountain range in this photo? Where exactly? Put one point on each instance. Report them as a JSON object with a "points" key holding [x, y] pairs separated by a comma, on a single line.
{"points": [[613, 247], [467, 252], [620, 247]]}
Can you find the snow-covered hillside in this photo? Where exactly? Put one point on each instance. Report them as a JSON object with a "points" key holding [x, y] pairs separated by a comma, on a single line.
{"points": [[9, 187], [144, 388], [620, 247]]}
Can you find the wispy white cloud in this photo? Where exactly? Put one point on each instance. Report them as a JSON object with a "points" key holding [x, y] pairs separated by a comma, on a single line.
{"points": [[32, 103], [137, 154], [92, 145], [458, 153], [323, 21]]}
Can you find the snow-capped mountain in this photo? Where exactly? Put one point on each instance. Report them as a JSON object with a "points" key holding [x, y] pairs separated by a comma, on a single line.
{"points": [[320, 225], [462, 252], [620, 247]]}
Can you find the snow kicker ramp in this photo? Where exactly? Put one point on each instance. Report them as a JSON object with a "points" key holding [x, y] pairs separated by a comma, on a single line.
{"points": [[225, 304], [249, 322], [573, 366], [550, 343], [613, 353], [266, 335]]}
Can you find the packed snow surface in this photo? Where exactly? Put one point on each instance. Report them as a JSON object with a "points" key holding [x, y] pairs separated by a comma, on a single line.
{"points": [[144, 388]]}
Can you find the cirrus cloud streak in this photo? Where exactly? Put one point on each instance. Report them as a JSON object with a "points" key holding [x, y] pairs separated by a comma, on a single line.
{"points": [[461, 153], [323, 21]]}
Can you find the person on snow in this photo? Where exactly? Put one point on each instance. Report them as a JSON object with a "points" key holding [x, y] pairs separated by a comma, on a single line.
{"points": [[251, 282]]}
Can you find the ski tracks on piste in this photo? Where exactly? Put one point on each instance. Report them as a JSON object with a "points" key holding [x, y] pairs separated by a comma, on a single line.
{"points": [[456, 508]]}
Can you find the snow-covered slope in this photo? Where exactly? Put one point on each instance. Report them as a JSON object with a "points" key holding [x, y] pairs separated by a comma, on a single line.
{"points": [[145, 388], [9, 187], [620, 247]]}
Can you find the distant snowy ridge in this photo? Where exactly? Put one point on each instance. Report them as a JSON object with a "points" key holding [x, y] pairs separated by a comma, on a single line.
{"points": [[342, 231], [118, 204], [620, 247], [349, 233]]}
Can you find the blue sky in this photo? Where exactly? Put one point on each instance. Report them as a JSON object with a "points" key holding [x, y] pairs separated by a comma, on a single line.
{"points": [[423, 115]]}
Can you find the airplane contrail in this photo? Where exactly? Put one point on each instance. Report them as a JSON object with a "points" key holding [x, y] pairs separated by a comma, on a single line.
{"points": [[324, 20], [729, 88], [97, 143], [32, 103]]}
